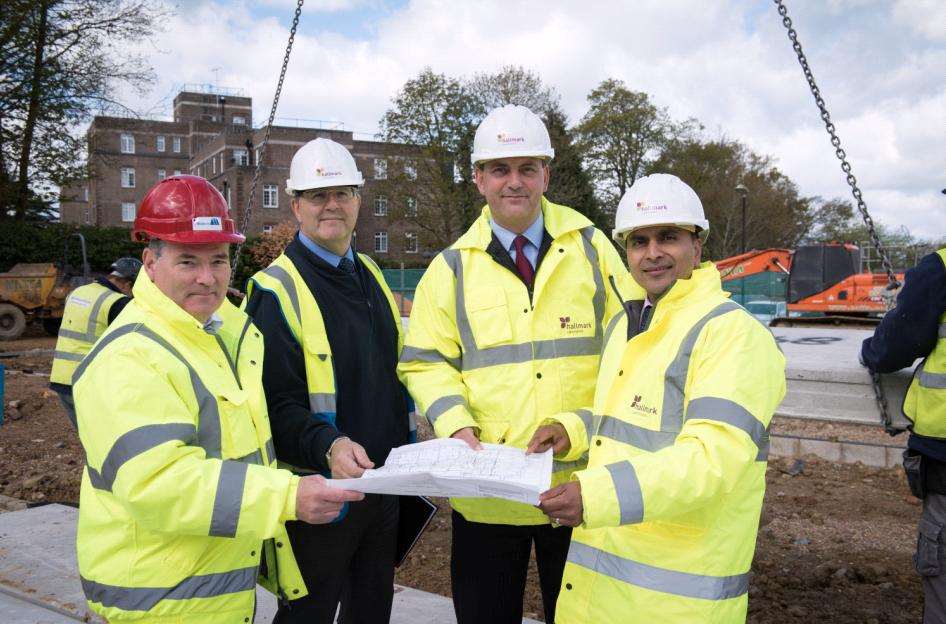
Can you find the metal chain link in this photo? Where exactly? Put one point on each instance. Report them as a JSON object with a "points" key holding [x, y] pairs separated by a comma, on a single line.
{"points": [[262, 146], [836, 142]]}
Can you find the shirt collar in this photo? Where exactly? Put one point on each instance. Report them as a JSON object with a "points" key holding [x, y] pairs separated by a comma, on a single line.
{"points": [[323, 253], [213, 324], [533, 233]]}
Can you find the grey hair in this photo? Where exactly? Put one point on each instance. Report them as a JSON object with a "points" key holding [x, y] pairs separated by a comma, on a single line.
{"points": [[156, 245]]}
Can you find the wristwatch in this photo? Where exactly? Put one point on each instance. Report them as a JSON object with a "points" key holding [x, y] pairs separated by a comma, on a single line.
{"points": [[328, 453]]}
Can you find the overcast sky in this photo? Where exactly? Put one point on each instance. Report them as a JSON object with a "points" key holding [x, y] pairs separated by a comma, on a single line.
{"points": [[881, 67]]}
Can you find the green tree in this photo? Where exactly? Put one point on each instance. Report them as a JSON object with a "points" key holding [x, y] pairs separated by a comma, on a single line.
{"points": [[622, 132], [438, 116], [513, 85], [777, 215], [569, 183], [60, 61]]}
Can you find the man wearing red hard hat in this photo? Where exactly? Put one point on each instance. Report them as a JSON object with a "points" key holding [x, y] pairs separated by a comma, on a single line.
{"points": [[181, 503]]}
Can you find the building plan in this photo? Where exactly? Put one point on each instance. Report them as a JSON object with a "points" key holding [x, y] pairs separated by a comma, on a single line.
{"points": [[448, 467]]}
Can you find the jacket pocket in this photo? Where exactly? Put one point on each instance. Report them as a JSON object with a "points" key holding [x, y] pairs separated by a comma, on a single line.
{"points": [[490, 322], [238, 437], [927, 558]]}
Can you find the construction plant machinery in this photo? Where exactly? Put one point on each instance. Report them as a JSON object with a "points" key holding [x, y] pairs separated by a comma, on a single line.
{"points": [[820, 283], [38, 291]]}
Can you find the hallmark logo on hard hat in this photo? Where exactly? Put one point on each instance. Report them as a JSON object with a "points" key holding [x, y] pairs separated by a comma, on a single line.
{"points": [[504, 138], [645, 207], [212, 224], [327, 173]]}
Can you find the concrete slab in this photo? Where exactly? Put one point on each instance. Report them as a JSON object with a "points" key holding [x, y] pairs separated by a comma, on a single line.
{"points": [[826, 380], [39, 579]]}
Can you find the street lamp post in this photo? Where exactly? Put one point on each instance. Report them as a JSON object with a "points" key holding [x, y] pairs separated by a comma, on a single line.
{"points": [[743, 192]]}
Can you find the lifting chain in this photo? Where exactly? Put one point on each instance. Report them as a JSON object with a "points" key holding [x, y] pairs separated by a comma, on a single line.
{"points": [[892, 282], [836, 142], [261, 151]]}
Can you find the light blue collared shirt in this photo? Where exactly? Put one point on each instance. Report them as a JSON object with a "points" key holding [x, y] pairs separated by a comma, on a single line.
{"points": [[533, 234], [323, 253]]}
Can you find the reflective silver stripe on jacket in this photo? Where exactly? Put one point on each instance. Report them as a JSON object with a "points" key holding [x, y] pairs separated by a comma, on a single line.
{"points": [[588, 420], [228, 500], [675, 379], [282, 276], [89, 335], [942, 330], [579, 464], [65, 355], [135, 442], [146, 598], [657, 579], [322, 402], [431, 356], [933, 381], [473, 357], [628, 490], [733, 414], [628, 433], [441, 405]]}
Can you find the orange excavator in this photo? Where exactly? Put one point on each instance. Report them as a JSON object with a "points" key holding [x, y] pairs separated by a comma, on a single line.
{"points": [[823, 279]]}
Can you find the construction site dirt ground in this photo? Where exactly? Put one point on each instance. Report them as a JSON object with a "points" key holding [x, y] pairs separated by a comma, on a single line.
{"points": [[835, 541]]}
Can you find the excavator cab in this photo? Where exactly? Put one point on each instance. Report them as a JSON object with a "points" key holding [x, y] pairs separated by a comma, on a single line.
{"points": [[816, 268]]}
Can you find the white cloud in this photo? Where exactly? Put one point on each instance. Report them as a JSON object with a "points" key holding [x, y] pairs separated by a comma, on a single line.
{"points": [[726, 64]]}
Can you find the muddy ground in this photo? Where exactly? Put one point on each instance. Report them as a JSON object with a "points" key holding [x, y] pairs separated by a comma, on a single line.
{"points": [[835, 541]]}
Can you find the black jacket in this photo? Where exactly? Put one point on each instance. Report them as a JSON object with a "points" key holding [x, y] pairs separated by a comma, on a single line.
{"points": [[371, 404], [910, 331]]}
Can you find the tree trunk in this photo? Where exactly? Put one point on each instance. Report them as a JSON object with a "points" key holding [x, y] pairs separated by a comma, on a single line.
{"points": [[23, 190]]}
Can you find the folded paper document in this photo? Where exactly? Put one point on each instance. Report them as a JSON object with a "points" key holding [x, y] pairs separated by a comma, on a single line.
{"points": [[448, 467]]}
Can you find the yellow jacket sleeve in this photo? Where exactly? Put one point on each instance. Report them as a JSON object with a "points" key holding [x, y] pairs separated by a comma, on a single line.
{"points": [[736, 380], [430, 360], [139, 437]]}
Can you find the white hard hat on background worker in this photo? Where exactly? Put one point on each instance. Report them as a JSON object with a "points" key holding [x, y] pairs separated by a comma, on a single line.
{"points": [[659, 199], [510, 132], [321, 164]]}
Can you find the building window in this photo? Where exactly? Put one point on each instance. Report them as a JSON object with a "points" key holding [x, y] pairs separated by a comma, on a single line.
{"points": [[176, 144], [258, 153], [128, 144], [128, 177], [410, 207], [213, 162], [380, 169], [221, 163], [410, 244], [381, 242], [241, 157], [410, 169], [239, 121], [159, 142], [380, 206], [267, 229], [177, 172], [85, 193], [270, 196], [128, 212], [162, 174]]}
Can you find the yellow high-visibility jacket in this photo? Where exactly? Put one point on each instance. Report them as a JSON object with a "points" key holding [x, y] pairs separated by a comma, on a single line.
{"points": [[301, 310], [181, 498], [925, 401], [676, 463], [84, 319], [479, 353]]}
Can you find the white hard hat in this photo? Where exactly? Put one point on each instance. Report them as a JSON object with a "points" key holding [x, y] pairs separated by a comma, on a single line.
{"points": [[320, 164], [509, 132], [658, 199]]}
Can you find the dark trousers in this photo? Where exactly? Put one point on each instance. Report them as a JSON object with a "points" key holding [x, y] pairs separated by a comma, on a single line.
{"points": [[351, 561], [489, 564], [930, 559]]}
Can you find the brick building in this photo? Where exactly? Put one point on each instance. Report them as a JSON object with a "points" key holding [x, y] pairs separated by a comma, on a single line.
{"points": [[212, 135]]}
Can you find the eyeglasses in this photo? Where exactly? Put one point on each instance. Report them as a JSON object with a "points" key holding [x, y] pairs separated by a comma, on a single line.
{"points": [[320, 198]]}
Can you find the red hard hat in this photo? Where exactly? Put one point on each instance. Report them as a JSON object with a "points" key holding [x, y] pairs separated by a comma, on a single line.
{"points": [[185, 209]]}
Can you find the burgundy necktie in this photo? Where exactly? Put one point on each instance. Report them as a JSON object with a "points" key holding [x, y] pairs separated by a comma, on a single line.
{"points": [[522, 263]]}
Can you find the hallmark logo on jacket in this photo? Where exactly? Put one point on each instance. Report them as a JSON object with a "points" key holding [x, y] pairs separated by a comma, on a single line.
{"points": [[572, 328], [638, 406]]}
